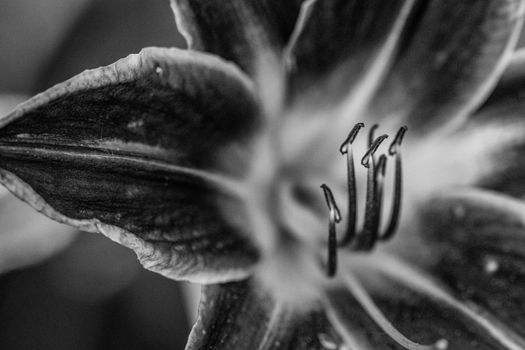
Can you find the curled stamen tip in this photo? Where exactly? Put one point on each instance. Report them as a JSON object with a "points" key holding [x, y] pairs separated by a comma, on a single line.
{"points": [[330, 202], [397, 140], [350, 138], [371, 134], [373, 148]]}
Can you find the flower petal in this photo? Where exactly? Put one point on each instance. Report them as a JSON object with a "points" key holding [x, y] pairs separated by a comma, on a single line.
{"points": [[425, 63], [418, 309], [241, 31], [242, 316], [474, 247], [501, 124], [148, 151], [451, 61], [344, 47]]}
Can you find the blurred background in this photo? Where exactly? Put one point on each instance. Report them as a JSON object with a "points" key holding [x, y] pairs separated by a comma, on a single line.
{"points": [[62, 289]]}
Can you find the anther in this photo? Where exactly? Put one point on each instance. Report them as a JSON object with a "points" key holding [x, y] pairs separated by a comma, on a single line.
{"points": [[371, 134], [335, 217], [351, 137], [395, 212], [332, 205], [397, 140], [373, 148]]}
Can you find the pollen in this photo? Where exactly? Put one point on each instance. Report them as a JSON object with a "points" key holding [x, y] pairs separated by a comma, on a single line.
{"points": [[491, 266]]}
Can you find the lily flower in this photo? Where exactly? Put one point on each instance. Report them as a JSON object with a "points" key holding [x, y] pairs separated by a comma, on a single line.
{"points": [[242, 164]]}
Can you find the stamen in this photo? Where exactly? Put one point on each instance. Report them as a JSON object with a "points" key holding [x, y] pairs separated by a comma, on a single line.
{"points": [[397, 140], [364, 299], [380, 181], [346, 148], [371, 134], [335, 217], [330, 201], [373, 148], [395, 150], [381, 168], [367, 237]]}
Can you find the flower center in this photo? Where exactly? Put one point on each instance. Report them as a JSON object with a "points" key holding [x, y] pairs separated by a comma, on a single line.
{"points": [[368, 236], [290, 273]]}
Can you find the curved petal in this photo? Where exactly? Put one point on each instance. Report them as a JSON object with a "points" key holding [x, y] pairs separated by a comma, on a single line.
{"points": [[148, 151], [474, 252], [501, 121], [240, 31], [345, 47], [507, 97], [424, 66], [450, 62], [423, 314], [242, 316]]}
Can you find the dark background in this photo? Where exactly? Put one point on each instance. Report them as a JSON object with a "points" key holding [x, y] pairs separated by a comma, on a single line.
{"points": [[93, 294]]}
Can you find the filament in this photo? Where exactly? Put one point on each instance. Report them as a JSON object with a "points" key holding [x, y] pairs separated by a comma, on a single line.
{"points": [[335, 217], [364, 299], [395, 150]]}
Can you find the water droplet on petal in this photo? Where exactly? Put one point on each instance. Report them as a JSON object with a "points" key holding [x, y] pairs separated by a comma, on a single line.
{"points": [[159, 70], [442, 344], [135, 124], [327, 342], [491, 266]]}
